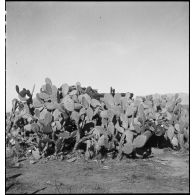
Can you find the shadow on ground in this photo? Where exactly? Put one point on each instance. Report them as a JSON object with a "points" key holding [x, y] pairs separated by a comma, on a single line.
{"points": [[164, 172]]}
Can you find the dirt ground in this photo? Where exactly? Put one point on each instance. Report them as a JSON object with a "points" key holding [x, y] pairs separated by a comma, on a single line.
{"points": [[163, 172]]}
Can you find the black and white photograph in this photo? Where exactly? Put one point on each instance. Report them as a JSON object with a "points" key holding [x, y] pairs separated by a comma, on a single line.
{"points": [[97, 97]]}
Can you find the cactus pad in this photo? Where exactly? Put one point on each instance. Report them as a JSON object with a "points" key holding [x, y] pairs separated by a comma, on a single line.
{"points": [[68, 103], [95, 103], [48, 118], [65, 89], [48, 81], [174, 141], [37, 103], [75, 116], [50, 105], [128, 148], [170, 132], [110, 128], [56, 114], [89, 113], [129, 136], [82, 111], [119, 128], [117, 99], [73, 92]]}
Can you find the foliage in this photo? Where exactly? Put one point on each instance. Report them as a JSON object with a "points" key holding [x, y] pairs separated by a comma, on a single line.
{"points": [[62, 120]]}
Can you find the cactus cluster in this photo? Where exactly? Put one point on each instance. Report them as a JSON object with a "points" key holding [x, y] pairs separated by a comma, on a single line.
{"points": [[65, 119]]}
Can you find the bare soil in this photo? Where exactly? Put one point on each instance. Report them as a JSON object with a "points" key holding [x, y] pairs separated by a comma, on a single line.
{"points": [[163, 172]]}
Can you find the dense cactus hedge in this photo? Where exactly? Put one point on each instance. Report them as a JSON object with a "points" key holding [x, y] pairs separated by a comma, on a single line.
{"points": [[71, 118]]}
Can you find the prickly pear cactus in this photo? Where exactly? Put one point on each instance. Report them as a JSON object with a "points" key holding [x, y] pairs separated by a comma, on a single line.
{"points": [[170, 106], [177, 127], [23, 99], [47, 129], [37, 113], [58, 125], [119, 128], [88, 98], [104, 122], [68, 103], [104, 114], [179, 100], [57, 114], [77, 106], [78, 84], [110, 114], [48, 89], [17, 89], [176, 96], [82, 111], [37, 103], [48, 81], [117, 110], [110, 128], [79, 88], [137, 125], [129, 135], [28, 127], [89, 113], [35, 127], [101, 142], [137, 102], [95, 103], [44, 96], [75, 98], [109, 100], [141, 113], [131, 126], [130, 110], [75, 116], [170, 132], [128, 148], [73, 92], [117, 99], [50, 105], [181, 140], [142, 139], [48, 118], [124, 103], [175, 142], [54, 90], [85, 102], [65, 89], [124, 124], [169, 116], [124, 120]]}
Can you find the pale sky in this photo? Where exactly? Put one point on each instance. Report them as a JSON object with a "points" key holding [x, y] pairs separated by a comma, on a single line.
{"points": [[139, 47]]}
